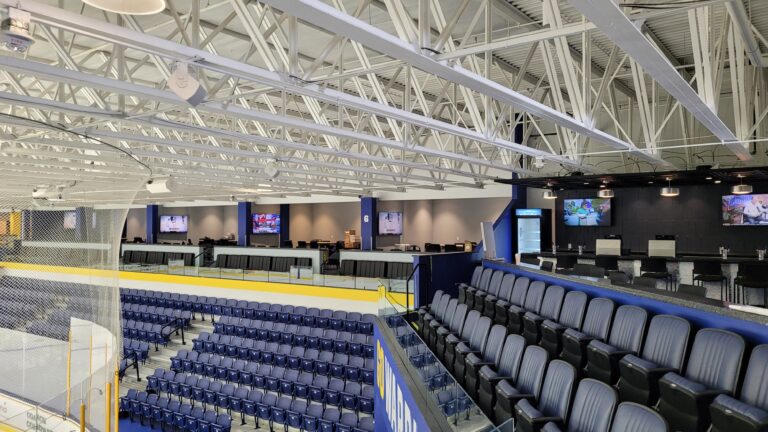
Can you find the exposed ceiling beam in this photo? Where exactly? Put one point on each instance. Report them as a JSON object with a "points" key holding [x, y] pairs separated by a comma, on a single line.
{"points": [[60, 18], [374, 38], [618, 27]]}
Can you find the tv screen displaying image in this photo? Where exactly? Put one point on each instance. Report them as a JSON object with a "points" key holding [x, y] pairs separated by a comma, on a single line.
{"points": [[390, 223], [745, 210], [587, 212], [70, 220], [173, 224], [266, 223]]}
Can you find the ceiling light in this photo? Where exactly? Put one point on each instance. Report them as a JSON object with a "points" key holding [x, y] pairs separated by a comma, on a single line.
{"points": [[708, 177], [741, 188], [160, 185], [129, 7], [670, 191], [549, 194], [605, 193], [718, 181]]}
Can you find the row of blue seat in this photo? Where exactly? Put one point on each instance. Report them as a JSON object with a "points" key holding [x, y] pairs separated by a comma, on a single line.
{"points": [[232, 368], [290, 383], [295, 413], [136, 348], [150, 332], [329, 340], [219, 306], [156, 314], [164, 412], [353, 324]]}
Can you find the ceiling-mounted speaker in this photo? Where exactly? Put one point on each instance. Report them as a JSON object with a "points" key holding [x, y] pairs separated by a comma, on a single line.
{"points": [[129, 7], [185, 85], [271, 169], [741, 189], [160, 185], [605, 193]]}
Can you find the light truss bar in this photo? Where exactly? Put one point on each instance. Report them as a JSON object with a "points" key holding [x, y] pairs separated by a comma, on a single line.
{"points": [[60, 18], [337, 22], [618, 28]]}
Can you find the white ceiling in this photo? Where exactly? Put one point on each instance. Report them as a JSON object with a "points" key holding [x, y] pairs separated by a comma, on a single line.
{"points": [[380, 97]]}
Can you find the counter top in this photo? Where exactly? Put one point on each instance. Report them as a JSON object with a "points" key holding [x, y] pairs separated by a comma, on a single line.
{"points": [[732, 259]]}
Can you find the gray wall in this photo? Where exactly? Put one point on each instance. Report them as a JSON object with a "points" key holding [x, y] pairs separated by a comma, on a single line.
{"points": [[424, 221]]}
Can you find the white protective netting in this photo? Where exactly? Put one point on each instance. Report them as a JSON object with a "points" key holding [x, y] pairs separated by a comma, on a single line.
{"points": [[60, 335]]}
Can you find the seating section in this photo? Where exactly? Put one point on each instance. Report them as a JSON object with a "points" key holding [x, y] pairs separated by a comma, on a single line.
{"points": [[261, 263], [352, 322], [557, 360], [283, 365]]}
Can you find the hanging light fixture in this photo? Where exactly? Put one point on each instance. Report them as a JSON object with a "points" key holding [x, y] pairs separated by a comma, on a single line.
{"points": [[670, 191], [741, 188], [550, 193], [605, 193], [129, 7]]}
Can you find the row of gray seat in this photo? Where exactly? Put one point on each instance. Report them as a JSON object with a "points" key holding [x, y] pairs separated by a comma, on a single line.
{"points": [[261, 263], [644, 359]]}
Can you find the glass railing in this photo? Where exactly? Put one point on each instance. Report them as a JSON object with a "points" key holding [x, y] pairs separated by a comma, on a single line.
{"points": [[295, 275], [458, 408]]}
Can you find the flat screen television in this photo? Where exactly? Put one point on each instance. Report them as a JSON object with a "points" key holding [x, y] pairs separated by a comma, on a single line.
{"points": [[265, 223], [390, 223], [587, 212], [70, 220], [173, 224], [745, 210]]}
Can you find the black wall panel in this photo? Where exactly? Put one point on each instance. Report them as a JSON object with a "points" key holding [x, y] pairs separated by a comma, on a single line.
{"points": [[641, 213]]}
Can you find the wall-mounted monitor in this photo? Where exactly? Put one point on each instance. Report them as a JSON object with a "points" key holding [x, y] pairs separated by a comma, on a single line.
{"points": [[70, 220], [265, 223], [173, 223], [390, 223], [745, 210], [587, 212]]}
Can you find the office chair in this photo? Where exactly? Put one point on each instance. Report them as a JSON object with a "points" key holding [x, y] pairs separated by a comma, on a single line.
{"points": [[450, 248], [288, 244], [546, 266], [301, 244], [751, 275], [619, 277], [692, 290], [313, 244], [710, 271], [566, 261], [607, 262], [656, 268], [644, 282]]}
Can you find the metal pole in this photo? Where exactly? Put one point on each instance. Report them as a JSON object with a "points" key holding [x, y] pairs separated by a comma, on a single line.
{"points": [[108, 399], [82, 416]]}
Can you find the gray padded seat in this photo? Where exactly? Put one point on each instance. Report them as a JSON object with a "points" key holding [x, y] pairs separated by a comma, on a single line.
{"points": [[532, 303], [463, 287], [626, 336], [550, 309], [552, 404], [506, 369], [482, 285], [454, 327], [516, 297], [632, 417], [664, 351], [476, 342], [505, 291], [440, 307], [439, 320], [493, 290], [592, 409], [527, 384], [467, 373], [595, 326], [571, 316], [429, 308], [750, 412], [452, 340], [713, 368]]}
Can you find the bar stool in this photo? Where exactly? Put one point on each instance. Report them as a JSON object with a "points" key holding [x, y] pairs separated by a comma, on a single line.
{"points": [[656, 268], [751, 275], [710, 271]]}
